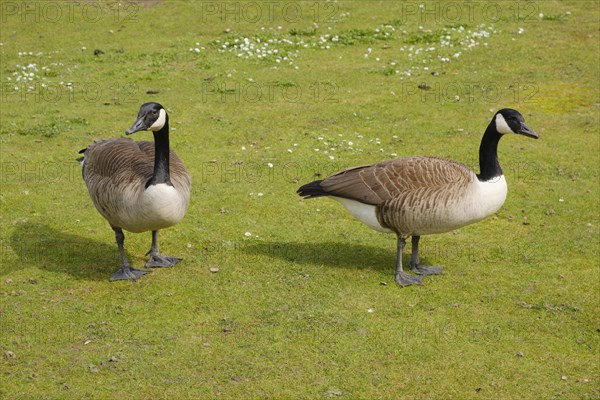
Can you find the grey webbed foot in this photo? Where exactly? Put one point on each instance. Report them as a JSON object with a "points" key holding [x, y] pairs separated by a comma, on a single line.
{"points": [[127, 273], [415, 262], [404, 279], [426, 270], [157, 261]]}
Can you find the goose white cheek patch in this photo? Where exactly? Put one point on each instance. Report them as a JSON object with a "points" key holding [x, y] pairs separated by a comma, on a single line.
{"points": [[160, 122], [501, 125]]}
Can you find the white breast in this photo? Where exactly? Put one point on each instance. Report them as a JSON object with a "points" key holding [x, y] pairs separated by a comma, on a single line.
{"points": [[159, 206], [489, 196], [481, 200]]}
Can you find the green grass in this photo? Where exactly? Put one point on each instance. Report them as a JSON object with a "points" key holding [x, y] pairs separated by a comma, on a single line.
{"points": [[305, 307]]}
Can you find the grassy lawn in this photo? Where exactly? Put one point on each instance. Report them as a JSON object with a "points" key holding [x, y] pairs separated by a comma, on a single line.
{"points": [[265, 96]]}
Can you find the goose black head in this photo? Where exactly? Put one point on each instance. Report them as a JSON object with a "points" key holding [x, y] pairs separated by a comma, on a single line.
{"points": [[508, 120], [152, 116]]}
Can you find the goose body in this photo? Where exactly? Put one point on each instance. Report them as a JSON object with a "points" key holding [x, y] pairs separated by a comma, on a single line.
{"points": [[138, 186], [416, 196], [412, 196], [116, 172]]}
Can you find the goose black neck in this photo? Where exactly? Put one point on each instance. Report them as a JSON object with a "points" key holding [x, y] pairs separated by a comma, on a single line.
{"points": [[489, 167], [161, 156]]}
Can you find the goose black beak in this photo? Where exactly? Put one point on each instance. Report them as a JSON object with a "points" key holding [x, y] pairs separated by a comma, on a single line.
{"points": [[139, 125], [526, 131]]}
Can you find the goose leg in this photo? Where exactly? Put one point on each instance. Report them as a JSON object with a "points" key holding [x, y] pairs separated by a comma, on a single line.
{"points": [[156, 259], [414, 261], [402, 278], [126, 272]]}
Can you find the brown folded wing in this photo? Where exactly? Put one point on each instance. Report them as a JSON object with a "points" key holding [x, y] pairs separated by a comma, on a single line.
{"points": [[386, 180]]}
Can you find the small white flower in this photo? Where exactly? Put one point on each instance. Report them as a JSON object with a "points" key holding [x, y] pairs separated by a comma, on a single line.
{"points": [[270, 165], [247, 234]]}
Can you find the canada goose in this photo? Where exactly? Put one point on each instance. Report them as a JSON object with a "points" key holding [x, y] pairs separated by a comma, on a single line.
{"points": [[138, 186], [417, 196]]}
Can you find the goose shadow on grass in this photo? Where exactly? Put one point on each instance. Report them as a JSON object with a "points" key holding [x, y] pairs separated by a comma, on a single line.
{"points": [[38, 245], [334, 254]]}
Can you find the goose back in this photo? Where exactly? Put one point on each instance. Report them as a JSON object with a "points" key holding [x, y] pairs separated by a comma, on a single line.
{"points": [[116, 172], [390, 179]]}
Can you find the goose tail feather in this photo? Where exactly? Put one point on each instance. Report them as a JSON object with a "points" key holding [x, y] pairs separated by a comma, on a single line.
{"points": [[311, 190], [80, 159]]}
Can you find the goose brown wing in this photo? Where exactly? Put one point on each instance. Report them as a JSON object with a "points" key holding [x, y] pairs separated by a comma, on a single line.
{"points": [[120, 160], [378, 183], [115, 171]]}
